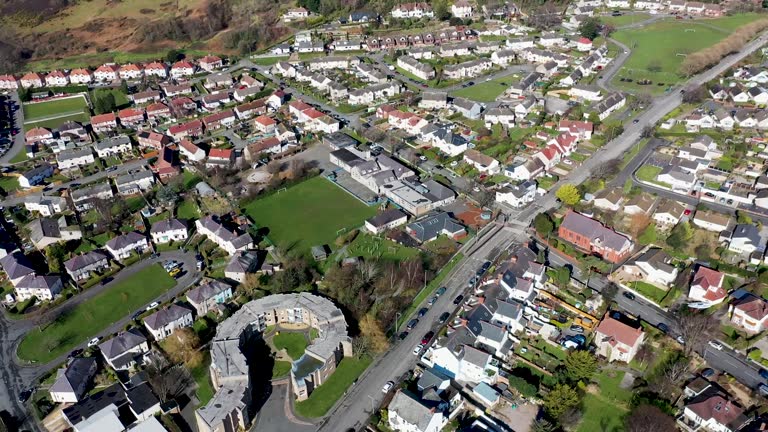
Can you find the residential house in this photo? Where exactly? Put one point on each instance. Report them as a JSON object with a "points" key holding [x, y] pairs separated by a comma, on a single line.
{"points": [[125, 350], [213, 101], [182, 69], [106, 72], [616, 340], [407, 413], [265, 124], [250, 109], [431, 227], [44, 205], [205, 297], [714, 411], [39, 134], [166, 231], [586, 92], [145, 97], [190, 129], [74, 158], [73, 380], [612, 103], [502, 114], [156, 69], [123, 246], [190, 151], [653, 266], [16, 267], [483, 163], [32, 80], [746, 239], [218, 120], [131, 71], [218, 80], [218, 157], [9, 82], [134, 182], [228, 239], [114, 146], [444, 139], [153, 140], [468, 69], [593, 237], [640, 204], [609, 199], [462, 9], [43, 287], [83, 198], [580, 129], [750, 312], [82, 266], [712, 221], [517, 195], [433, 100], [467, 108], [45, 231], [668, 213], [707, 286], [56, 79], [164, 322], [412, 10], [104, 122], [35, 176], [374, 92], [210, 63]]}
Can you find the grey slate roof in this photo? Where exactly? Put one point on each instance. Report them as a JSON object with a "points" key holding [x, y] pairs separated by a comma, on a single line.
{"points": [[74, 377], [411, 410], [112, 142], [16, 265], [432, 226], [206, 291], [166, 316], [84, 260], [594, 230], [121, 343], [386, 217], [125, 240], [167, 225]]}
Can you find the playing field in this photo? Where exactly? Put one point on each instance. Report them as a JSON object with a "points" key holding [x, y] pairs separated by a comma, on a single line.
{"points": [[92, 316], [309, 214], [487, 91], [54, 108]]}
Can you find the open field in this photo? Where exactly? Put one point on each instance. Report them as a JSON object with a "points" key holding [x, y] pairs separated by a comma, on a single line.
{"points": [[293, 343], [56, 107], [58, 121], [325, 396], [623, 20], [94, 315], [486, 91], [604, 411], [368, 246], [309, 214]]}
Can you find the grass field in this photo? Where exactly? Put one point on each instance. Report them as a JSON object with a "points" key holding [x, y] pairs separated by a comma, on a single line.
{"points": [[308, 214], [281, 369], [325, 396], [94, 315], [98, 59], [648, 173], [9, 183], [605, 410], [650, 291], [619, 21], [486, 91], [367, 246], [187, 209], [56, 107], [202, 377], [293, 343]]}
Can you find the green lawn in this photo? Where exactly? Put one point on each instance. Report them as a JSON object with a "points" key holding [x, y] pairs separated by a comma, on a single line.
{"points": [[619, 21], [652, 292], [73, 105], [604, 411], [325, 396], [56, 122], [187, 209], [94, 315], [190, 179], [281, 369], [309, 214], [486, 91], [202, 377], [21, 156], [9, 183], [121, 99], [730, 23], [268, 61], [368, 246], [293, 343], [648, 173], [662, 45]]}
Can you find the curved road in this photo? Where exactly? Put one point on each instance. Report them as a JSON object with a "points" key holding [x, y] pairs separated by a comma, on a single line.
{"points": [[17, 375]]}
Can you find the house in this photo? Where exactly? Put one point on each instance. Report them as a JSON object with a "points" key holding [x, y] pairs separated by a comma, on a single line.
{"points": [[750, 312], [443, 138], [45, 205], [415, 10], [220, 158], [483, 163], [468, 69], [707, 286], [433, 100], [265, 124], [83, 198], [166, 231], [56, 79], [517, 195], [386, 220], [125, 350], [106, 72], [668, 213], [653, 266], [74, 158], [374, 92], [609, 105], [39, 134], [522, 169], [502, 114], [241, 264], [134, 182], [16, 267], [467, 108], [714, 411], [431, 227], [210, 63], [156, 69], [205, 297], [32, 80], [123, 246], [215, 100], [712, 221], [593, 237], [462, 9], [164, 322], [190, 129], [42, 287], [617, 341], [746, 239], [81, 266], [218, 120], [9, 82], [580, 129], [35, 176], [104, 122], [250, 109], [72, 380], [524, 86], [586, 92], [130, 71], [44, 231], [295, 14], [145, 97], [114, 146], [407, 413], [73, 131], [218, 79], [229, 240], [584, 45], [153, 140], [181, 69], [609, 199], [191, 151], [158, 112], [640, 204], [679, 178], [243, 94]]}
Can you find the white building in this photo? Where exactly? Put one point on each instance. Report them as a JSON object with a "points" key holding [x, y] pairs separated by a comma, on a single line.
{"points": [[165, 321], [166, 231], [409, 414]]}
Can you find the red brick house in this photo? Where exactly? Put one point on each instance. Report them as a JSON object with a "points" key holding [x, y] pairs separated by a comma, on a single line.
{"points": [[130, 117], [592, 236], [104, 122], [189, 129], [167, 164], [153, 140]]}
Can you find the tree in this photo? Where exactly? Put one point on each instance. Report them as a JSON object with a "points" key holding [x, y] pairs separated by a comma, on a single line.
{"points": [[103, 101], [562, 275], [168, 381], [580, 366], [648, 418], [609, 291], [560, 399], [167, 196], [124, 86], [695, 328], [590, 28], [371, 330], [542, 425], [679, 236], [743, 218], [648, 236], [569, 194], [543, 224], [55, 255], [612, 130], [174, 55], [183, 346], [695, 94], [647, 132]]}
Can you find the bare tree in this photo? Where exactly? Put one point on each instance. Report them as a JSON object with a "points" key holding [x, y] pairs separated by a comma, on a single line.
{"points": [[695, 328], [648, 418], [168, 381], [368, 269]]}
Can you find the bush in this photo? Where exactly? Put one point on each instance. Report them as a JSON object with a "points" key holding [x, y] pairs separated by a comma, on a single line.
{"points": [[755, 354], [524, 387]]}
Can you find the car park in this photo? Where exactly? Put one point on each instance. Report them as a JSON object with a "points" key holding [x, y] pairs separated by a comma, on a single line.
{"points": [[412, 323], [444, 317], [458, 299], [387, 387]]}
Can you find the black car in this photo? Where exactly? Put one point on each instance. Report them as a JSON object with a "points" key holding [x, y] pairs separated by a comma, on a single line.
{"points": [[628, 295], [486, 265], [663, 327], [458, 299], [403, 335], [422, 312], [444, 317], [412, 323], [25, 395], [75, 353]]}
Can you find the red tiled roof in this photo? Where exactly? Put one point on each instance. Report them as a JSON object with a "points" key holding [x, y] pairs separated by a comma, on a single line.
{"points": [[220, 153], [619, 331], [194, 124], [313, 113], [32, 76], [576, 126], [183, 64], [103, 118], [300, 105], [107, 68], [154, 66], [711, 281], [210, 59], [753, 306], [265, 120], [130, 112], [37, 133], [219, 116], [57, 74], [130, 67], [585, 41], [157, 107], [189, 146], [263, 145], [80, 72], [718, 408]]}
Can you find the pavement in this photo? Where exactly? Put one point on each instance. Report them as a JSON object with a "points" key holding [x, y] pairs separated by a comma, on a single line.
{"points": [[17, 376]]}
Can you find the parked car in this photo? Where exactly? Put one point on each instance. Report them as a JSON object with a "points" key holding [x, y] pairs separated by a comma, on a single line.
{"points": [[444, 317], [663, 327], [25, 395], [716, 345], [432, 301], [427, 337], [422, 312], [763, 374], [577, 328], [708, 372], [486, 265], [93, 342], [440, 291], [403, 335], [412, 323], [680, 340], [628, 295], [387, 387], [75, 353], [417, 349], [763, 389], [153, 305], [458, 299]]}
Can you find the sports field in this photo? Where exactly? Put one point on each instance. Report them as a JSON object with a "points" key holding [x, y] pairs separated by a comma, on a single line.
{"points": [[659, 49], [487, 91], [54, 108], [311, 213], [92, 316]]}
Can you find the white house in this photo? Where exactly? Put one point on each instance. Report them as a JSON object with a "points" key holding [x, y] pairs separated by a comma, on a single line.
{"points": [[40, 286], [123, 246], [72, 380], [518, 195], [653, 266], [166, 231], [707, 286], [227, 239], [714, 411], [74, 158], [481, 162], [407, 413], [617, 341], [750, 312], [113, 146], [165, 321], [462, 9], [124, 351]]}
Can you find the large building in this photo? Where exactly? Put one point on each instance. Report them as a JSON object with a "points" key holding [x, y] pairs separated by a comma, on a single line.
{"points": [[228, 410]]}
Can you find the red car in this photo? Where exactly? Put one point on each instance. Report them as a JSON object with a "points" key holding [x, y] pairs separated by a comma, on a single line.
{"points": [[687, 212], [427, 337]]}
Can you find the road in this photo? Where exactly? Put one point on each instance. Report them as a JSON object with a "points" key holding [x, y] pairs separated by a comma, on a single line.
{"points": [[18, 376], [356, 406], [19, 138]]}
